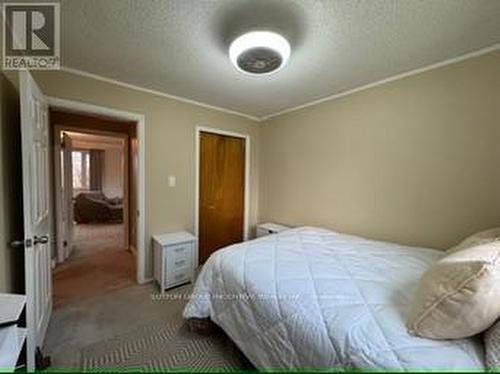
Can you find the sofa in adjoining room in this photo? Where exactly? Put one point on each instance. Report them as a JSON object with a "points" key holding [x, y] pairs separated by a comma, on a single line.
{"points": [[92, 207]]}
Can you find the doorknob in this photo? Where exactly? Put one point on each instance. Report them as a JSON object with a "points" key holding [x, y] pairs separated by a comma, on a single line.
{"points": [[44, 239], [21, 243], [17, 244]]}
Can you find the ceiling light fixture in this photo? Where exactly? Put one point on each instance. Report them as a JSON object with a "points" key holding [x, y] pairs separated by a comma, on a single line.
{"points": [[259, 52]]}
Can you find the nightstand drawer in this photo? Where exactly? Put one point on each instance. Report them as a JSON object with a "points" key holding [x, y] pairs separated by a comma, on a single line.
{"points": [[179, 276], [178, 263], [179, 252]]}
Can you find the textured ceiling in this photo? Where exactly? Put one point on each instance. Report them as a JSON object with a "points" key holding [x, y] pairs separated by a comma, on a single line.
{"points": [[180, 47]]}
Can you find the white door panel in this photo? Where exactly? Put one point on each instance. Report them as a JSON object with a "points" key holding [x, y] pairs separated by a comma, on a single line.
{"points": [[37, 215]]}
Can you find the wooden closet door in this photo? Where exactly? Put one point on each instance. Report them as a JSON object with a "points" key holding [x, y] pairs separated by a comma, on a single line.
{"points": [[222, 192]]}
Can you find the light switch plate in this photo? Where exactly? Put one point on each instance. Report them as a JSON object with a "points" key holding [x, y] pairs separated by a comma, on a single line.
{"points": [[171, 181]]}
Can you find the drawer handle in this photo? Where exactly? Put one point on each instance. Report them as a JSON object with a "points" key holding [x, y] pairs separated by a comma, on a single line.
{"points": [[180, 262], [179, 276], [180, 249]]}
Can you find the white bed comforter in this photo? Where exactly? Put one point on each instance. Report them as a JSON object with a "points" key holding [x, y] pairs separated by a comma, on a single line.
{"points": [[313, 298]]}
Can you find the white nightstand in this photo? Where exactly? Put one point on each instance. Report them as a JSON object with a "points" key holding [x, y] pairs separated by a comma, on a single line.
{"points": [[270, 228], [174, 259]]}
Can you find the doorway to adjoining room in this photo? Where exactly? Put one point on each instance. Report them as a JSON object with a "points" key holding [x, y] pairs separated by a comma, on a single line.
{"points": [[95, 181]]}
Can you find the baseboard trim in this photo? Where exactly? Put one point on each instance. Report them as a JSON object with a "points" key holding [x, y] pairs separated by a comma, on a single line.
{"points": [[147, 280]]}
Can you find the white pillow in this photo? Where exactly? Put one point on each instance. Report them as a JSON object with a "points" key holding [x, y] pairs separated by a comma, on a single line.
{"points": [[459, 296], [492, 346], [479, 238]]}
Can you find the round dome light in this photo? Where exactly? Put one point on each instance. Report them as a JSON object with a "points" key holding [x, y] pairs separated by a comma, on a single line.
{"points": [[259, 52]]}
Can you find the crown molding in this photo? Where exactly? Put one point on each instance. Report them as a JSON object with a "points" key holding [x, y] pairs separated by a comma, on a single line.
{"points": [[390, 79], [155, 92], [339, 95]]}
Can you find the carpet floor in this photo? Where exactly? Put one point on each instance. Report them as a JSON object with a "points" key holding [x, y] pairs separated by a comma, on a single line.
{"points": [[134, 328], [163, 346], [98, 264], [90, 239]]}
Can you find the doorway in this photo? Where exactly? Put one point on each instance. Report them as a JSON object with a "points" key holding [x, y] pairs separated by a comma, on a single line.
{"points": [[222, 189], [95, 179]]}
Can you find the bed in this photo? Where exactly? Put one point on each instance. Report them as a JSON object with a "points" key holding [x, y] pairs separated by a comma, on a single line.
{"points": [[314, 298]]}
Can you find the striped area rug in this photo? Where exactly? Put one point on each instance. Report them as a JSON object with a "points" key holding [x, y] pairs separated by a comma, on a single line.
{"points": [[162, 347]]}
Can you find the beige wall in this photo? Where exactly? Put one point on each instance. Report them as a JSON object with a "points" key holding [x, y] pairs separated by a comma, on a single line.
{"points": [[413, 161], [11, 219], [416, 161], [170, 141]]}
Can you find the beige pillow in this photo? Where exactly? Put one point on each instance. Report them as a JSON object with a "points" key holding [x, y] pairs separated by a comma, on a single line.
{"points": [[479, 238], [459, 296]]}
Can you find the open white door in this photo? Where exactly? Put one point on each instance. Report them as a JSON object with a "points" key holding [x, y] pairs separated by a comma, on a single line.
{"points": [[64, 194], [37, 212]]}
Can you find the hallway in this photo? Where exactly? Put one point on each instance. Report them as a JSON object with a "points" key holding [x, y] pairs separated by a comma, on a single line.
{"points": [[99, 264]]}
